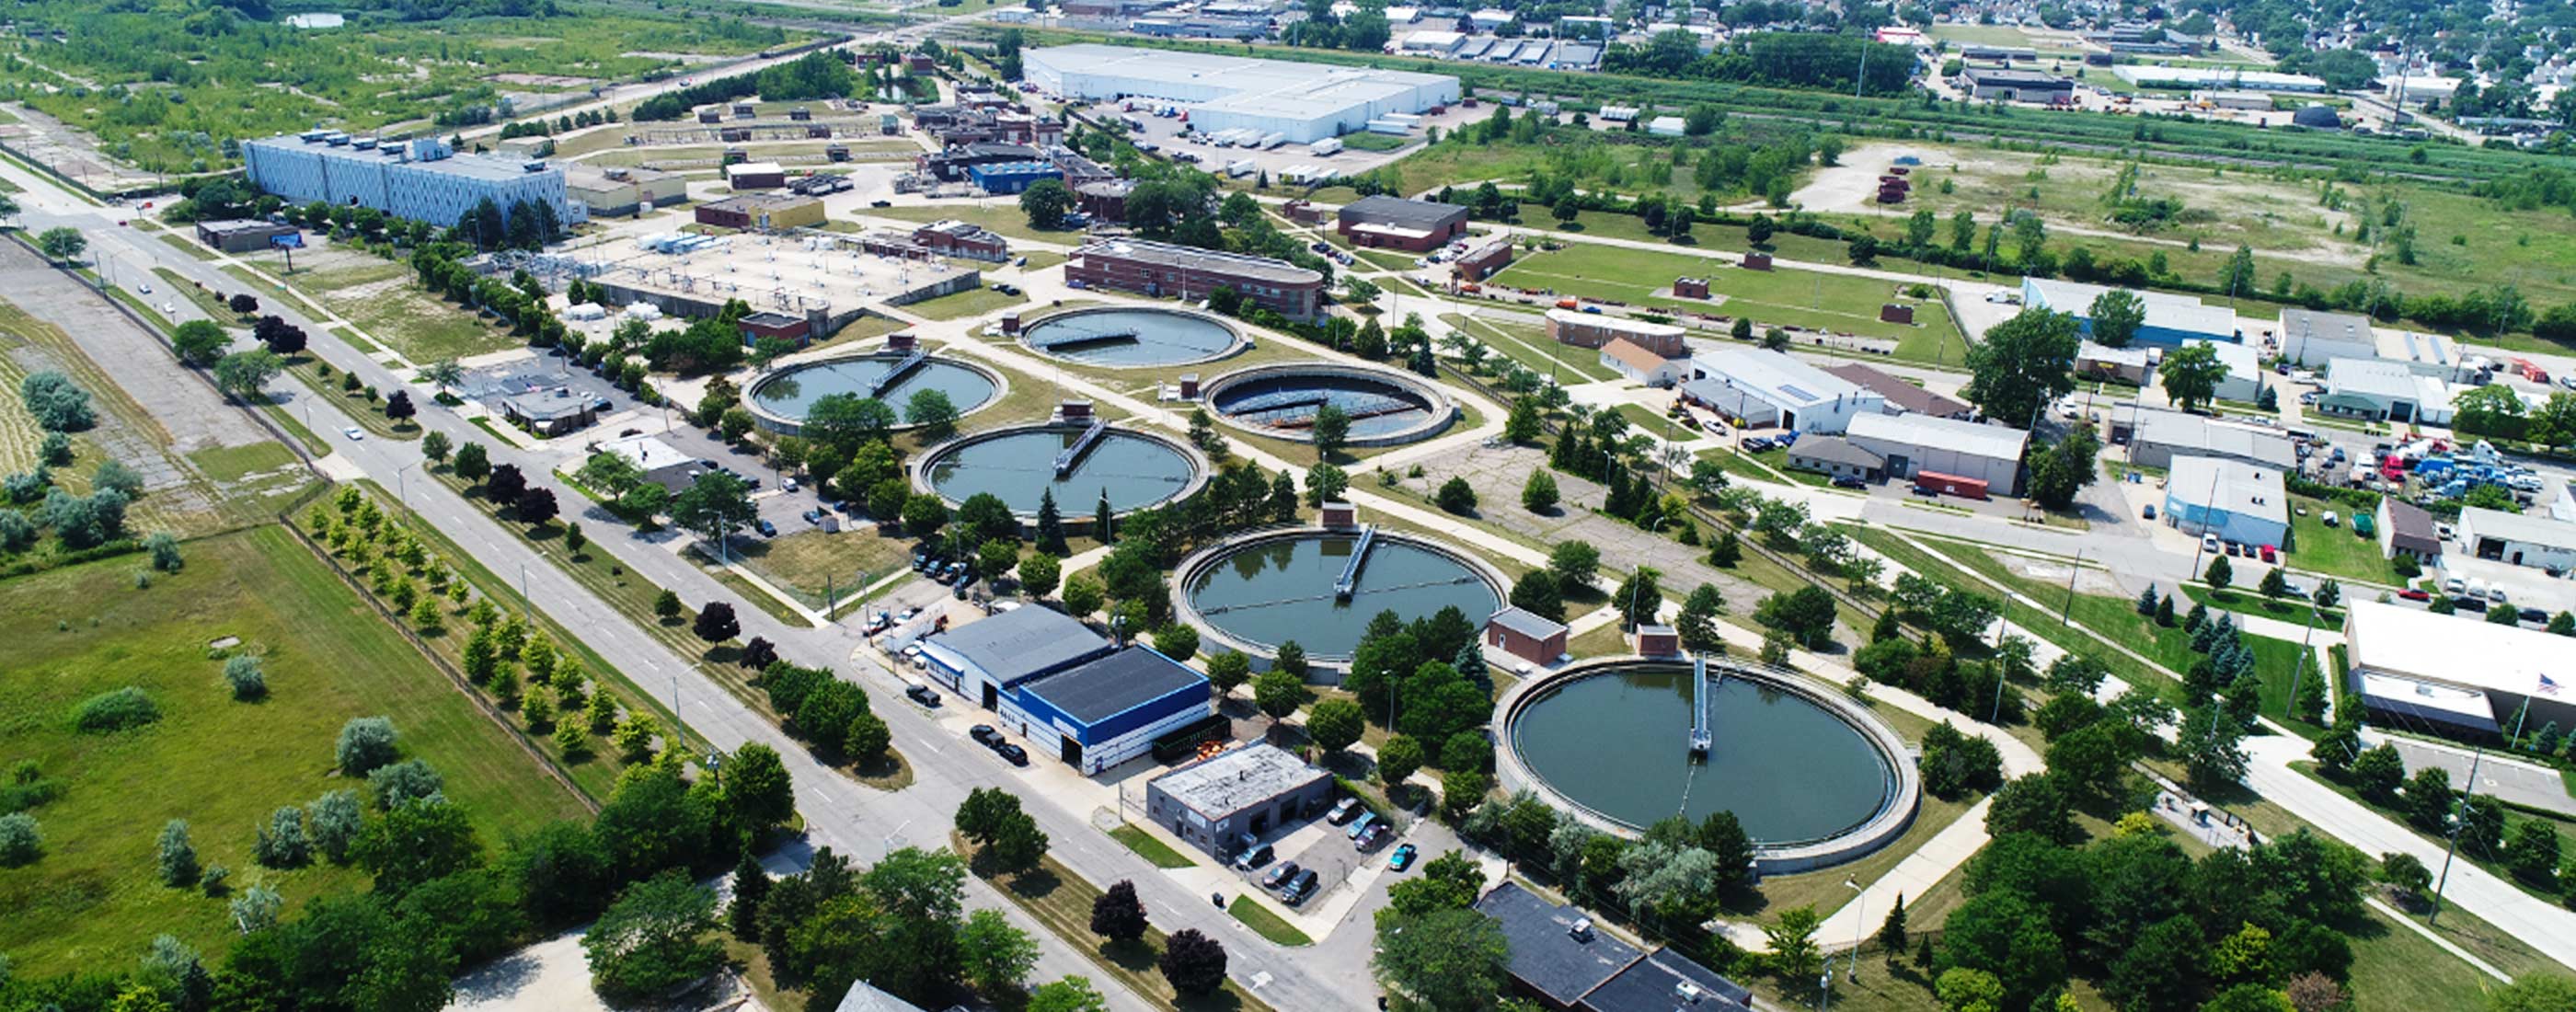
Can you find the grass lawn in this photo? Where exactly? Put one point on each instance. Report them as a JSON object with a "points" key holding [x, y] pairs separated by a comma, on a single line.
{"points": [[1953, 573], [1062, 900], [960, 305], [368, 411], [1788, 297], [802, 561], [210, 303], [1528, 344], [2513, 816], [93, 899], [1656, 425], [1002, 215], [1268, 925], [2335, 551], [1604, 640], [2293, 610], [1744, 465], [1151, 848], [381, 299]]}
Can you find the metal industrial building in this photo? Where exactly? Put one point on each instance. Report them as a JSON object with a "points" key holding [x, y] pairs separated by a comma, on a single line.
{"points": [[2533, 539], [2409, 667], [1912, 443], [2171, 319], [1758, 388], [1051, 679], [422, 180], [2237, 501], [1305, 101], [1416, 225], [2156, 436]]}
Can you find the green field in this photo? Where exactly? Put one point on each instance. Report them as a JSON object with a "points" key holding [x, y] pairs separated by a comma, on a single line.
{"points": [[229, 82], [93, 900], [1793, 298], [960, 305], [807, 562], [2336, 550], [1000, 214], [1151, 848], [1529, 345], [380, 297]]}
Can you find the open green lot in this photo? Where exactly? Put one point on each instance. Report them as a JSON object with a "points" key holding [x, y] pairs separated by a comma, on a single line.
{"points": [[2336, 550], [1002, 215], [1524, 340], [94, 898], [960, 305], [807, 562], [1786, 297], [383, 300]]}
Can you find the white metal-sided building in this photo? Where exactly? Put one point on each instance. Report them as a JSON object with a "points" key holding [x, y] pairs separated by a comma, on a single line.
{"points": [[2410, 667], [1305, 101], [2237, 501], [1757, 388], [1911, 443]]}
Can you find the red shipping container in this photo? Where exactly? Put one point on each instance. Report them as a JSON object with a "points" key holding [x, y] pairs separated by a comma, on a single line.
{"points": [[1950, 484]]}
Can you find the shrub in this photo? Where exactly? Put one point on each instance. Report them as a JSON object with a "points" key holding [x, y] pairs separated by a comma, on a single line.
{"points": [[177, 857], [404, 782], [365, 743], [334, 821], [282, 843], [249, 682], [119, 710], [20, 843]]}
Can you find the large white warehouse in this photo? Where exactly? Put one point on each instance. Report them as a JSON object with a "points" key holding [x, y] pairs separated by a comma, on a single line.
{"points": [[1306, 101]]}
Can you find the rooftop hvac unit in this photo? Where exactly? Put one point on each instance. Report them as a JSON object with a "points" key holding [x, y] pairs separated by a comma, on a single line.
{"points": [[1582, 929], [1686, 992]]}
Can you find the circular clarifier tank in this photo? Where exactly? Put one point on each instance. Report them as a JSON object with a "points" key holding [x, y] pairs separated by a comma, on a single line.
{"points": [[1265, 589], [1385, 407], [1812, 777], [1128, 337], [780, 400], [1020, 465]]}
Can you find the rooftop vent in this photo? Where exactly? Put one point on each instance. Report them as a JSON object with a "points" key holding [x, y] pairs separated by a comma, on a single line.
{"points": [[1687, 993], [1581, 931]]}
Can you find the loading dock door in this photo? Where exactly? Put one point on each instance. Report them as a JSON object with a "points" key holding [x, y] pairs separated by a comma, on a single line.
{"points": [[1069, 750], [992, 696]]}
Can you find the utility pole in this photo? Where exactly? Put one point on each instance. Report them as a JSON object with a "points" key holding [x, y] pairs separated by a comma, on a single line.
{"points": [[2458, 818], [2069, 607]]}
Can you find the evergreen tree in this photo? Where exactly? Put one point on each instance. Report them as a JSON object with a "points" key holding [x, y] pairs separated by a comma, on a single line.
{"points": [[750, 886], [1051, 526], [1728, 552], [1891, 932], [1470, 663], [2147, 600], [1100, 517], [2198, 617], [2164, 611]]}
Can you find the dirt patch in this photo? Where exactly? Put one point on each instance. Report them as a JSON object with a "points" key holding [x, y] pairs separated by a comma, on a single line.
{"points": [[2087, 581]]}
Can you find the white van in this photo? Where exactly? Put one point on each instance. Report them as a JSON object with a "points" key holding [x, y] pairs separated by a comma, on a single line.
{"points": [[2454, 586]]}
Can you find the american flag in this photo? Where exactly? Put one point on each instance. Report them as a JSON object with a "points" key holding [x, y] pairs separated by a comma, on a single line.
{"points": [[2548, 686]]}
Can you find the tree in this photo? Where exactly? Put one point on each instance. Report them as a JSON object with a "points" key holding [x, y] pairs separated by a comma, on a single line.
{"points": [[933, 413], [1177, 641], [1117, 915], [1536, 592], [2022, 364], [1072, 994], [1456, 496], [1083, 596], [666, 605], [416, 842], [1334, 724], [1448, 959], [1538, 494], [714, 506], [365, 744], [246, 374], [1574, 563], [536, 508], [2534, 992], [1398, 759], [199, 343], [2066, 468], [2532, 852], [1039, 573], [2219, 574], [653, 938], [716, 623], [2190, 374], [758, 787], [473, 462], [1278, 694], [2116, 316], [62, 244], [399, 407], [1331, 429], [1193, 963], [1697, 624], [434, 447], [1806, 614], [1793, 943], [2273, 585], [177, 857], [993, 955], [1891, 931]]}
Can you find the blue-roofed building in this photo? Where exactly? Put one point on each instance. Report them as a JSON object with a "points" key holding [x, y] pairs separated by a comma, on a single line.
{"points": [[1066, 689], [2171, 319], [1004, 178], [420, 181]]}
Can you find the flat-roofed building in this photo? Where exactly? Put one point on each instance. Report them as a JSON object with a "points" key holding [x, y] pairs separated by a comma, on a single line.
{"points": [[2124, 365], [2410, 664], [1306, 102], [2171, 319], [1414, 225], [1189, 273], [244, 235], [1987, 84], [1107, 710], [2237, 501], [1902, 397], [2312, 338], [1483, 261], [2380, 390], [418, 180], [2244, 379], [1526, 634], [1564, 961], [755, 176], [1760, 388], [767, 212], [617, 191], [962, 239], [2521, 539], [1908, 444], [1248, 790], [2156, 436], [1594, 330], [662, 463], [1836, 457], [2422, 354]]}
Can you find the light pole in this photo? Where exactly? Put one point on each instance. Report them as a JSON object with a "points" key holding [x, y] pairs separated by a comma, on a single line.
{"points": [[402, 480], [1860, 896], [2457, 819]]}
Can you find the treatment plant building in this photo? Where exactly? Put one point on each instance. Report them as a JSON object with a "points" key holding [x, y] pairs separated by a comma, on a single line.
{"points": [[2407, 663], [1055, 682], [1306, 102], [422, 180], [1250, 790]]}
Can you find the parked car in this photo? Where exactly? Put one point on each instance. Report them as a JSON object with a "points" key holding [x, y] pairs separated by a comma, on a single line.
{"points": [[2268, 556], [2535, 616], [766, 529], [2469, 602], [1377, 834], [1258, 855], [1847, 481], [922, 694], [1280, 874], [2209, 543], [1299, 888], [812, 516], [1365, 820], [1928, 493], [1012, 754], [1401, 859], [2149, 513], [1344, 811], [984, 735], [2414, 594]]}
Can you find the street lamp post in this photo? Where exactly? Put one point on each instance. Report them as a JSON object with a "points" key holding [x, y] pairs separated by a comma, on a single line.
{"points": [[1859, 898]]}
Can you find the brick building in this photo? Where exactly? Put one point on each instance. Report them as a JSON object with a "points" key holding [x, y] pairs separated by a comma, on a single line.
{"points": [[1163, 269], [1526, 635], [1483, 261], [1593, 330], [1394, 222], [764, 211], [960, 239]]}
